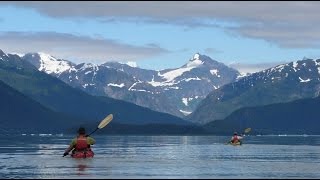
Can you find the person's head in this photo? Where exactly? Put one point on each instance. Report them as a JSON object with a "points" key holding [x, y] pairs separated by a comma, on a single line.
{"points": [[82, 131], [235, 133]]}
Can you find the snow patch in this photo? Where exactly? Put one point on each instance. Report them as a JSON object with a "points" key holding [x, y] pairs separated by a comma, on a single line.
{"points": [[133, 85], [185, 101], [143, 90], [72, 69], [304, 80], [171, 75], [132, 64], [156, 83], [88, 72], [89, 65], [50, 64], [215, 72], [242, 74], [295, 64], [195, 63], [175, 87], [196, 56], [185, 112], [280, 67], [189, 79], [18, 54], [85, 85], [116, 85], [317, 64]]}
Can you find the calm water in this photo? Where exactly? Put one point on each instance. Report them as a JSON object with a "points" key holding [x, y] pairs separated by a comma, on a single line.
{"points": [[40, 156]]}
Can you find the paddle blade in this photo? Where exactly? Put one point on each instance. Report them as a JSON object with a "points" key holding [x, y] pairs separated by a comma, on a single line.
{"points": [[247, 130], [105, 121]]}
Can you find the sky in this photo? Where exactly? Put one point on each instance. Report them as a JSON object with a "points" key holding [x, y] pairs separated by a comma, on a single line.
{"points": [[247, 35]]}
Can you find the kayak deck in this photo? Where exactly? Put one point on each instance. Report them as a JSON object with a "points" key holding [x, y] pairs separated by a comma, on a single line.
{"points": [[82, 154], [236, 144]]}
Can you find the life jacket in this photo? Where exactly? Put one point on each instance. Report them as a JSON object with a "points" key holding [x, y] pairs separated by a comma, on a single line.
{"points": [[82, 144], [235, 139]]}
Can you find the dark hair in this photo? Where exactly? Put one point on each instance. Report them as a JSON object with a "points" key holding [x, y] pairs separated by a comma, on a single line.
{"points": [[82, 130], [235, 133]]}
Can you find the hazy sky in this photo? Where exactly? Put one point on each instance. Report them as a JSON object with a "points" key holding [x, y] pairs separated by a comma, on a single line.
{"points": [[164, 34]]}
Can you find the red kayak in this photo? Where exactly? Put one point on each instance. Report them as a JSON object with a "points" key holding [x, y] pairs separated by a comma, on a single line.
{"points": [[82, 154]]}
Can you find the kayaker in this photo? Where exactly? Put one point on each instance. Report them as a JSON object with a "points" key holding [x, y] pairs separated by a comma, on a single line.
{"points": [[235, 138], [81, 145]]}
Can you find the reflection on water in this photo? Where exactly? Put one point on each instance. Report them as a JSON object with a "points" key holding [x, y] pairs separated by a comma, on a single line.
{"points": [[82, 167], [40, 156]]}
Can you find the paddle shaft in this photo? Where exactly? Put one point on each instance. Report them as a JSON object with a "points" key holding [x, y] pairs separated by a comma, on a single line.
{"points": [[93, 131]]}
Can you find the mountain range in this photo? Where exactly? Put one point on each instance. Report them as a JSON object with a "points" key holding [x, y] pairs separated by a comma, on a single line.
{"points": [[59, 97], [283, 83], [282, 99], [175, 91]]}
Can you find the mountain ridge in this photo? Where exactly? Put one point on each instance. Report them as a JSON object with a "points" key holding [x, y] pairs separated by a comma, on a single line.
{"points": [[176, 91], [283, 83], [58, 96]]}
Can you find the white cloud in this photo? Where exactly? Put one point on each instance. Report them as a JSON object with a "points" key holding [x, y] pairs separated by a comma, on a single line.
{"points": [[289, 24], [75, 48]]}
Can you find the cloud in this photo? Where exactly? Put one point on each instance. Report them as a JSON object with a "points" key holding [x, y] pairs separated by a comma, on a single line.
{"points": [[285, 36], [76, 48], [288, 24], [212, 51], [251, 68]]}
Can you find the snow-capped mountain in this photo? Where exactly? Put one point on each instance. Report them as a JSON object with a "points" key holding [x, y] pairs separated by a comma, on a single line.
{"points": [[47, 63], [174, 91], [46, 96], [280, 84]]}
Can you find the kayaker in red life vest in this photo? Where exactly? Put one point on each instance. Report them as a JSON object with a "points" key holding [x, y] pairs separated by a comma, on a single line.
{"points": [[81, 145], [235, 138]]}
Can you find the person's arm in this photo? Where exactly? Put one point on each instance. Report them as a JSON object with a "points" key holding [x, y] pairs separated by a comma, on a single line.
{"points": [[90, 140], [240, 137], [231, 140], [71, 146]]}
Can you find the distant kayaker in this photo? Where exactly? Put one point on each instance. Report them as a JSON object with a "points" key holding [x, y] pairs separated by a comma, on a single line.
{"points": [[235, 138], [81, 145]]}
